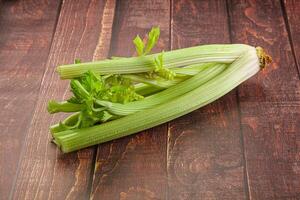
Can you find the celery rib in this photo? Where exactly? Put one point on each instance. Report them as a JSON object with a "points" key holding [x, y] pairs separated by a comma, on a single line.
{"points": [[146, 90], [160, 83], [71, 121], [176, 58], [183, 73], [54, 107]]}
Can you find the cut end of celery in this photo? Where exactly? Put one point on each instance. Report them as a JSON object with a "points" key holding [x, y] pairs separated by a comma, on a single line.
{"points": [[58, 144], [51, 108], [61, 71], [58, 70], [264, 58], [55, 142]]}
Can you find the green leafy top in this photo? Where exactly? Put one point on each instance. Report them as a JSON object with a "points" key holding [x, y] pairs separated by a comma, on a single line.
{"points": [[114, 88], [91, 87], [139, 45], [153, 37], [143, 49], [160, 70]]}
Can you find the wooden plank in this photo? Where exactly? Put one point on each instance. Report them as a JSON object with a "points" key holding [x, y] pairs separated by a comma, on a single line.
{"points": [[83, 30], [292, 11], [205, 158], [25, 39], [134, 167], [270, 103]]}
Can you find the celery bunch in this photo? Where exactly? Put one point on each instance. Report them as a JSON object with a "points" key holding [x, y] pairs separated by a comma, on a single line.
{"points": [[120, 96]]}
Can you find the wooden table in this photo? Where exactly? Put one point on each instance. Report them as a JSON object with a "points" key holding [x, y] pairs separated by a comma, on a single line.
{"points": [[246, 145]]}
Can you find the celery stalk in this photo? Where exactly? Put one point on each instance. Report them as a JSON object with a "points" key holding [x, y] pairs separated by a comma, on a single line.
{"points": [[244, 65], [226, 53]]}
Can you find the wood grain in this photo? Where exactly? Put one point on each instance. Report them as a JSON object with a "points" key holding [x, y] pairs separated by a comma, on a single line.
{"points": [[292, 8], [25, 39], [204, 148], [134, 167], [44, 172], [270, 103]]}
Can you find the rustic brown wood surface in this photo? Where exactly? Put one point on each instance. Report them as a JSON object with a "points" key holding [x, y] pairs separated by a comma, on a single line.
{"points": [[243, 146], [291, 9], [26, 30]]}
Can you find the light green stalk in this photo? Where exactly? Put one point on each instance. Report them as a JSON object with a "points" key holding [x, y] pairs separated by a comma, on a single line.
{"points": [[172, 59], [54, 107]]}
